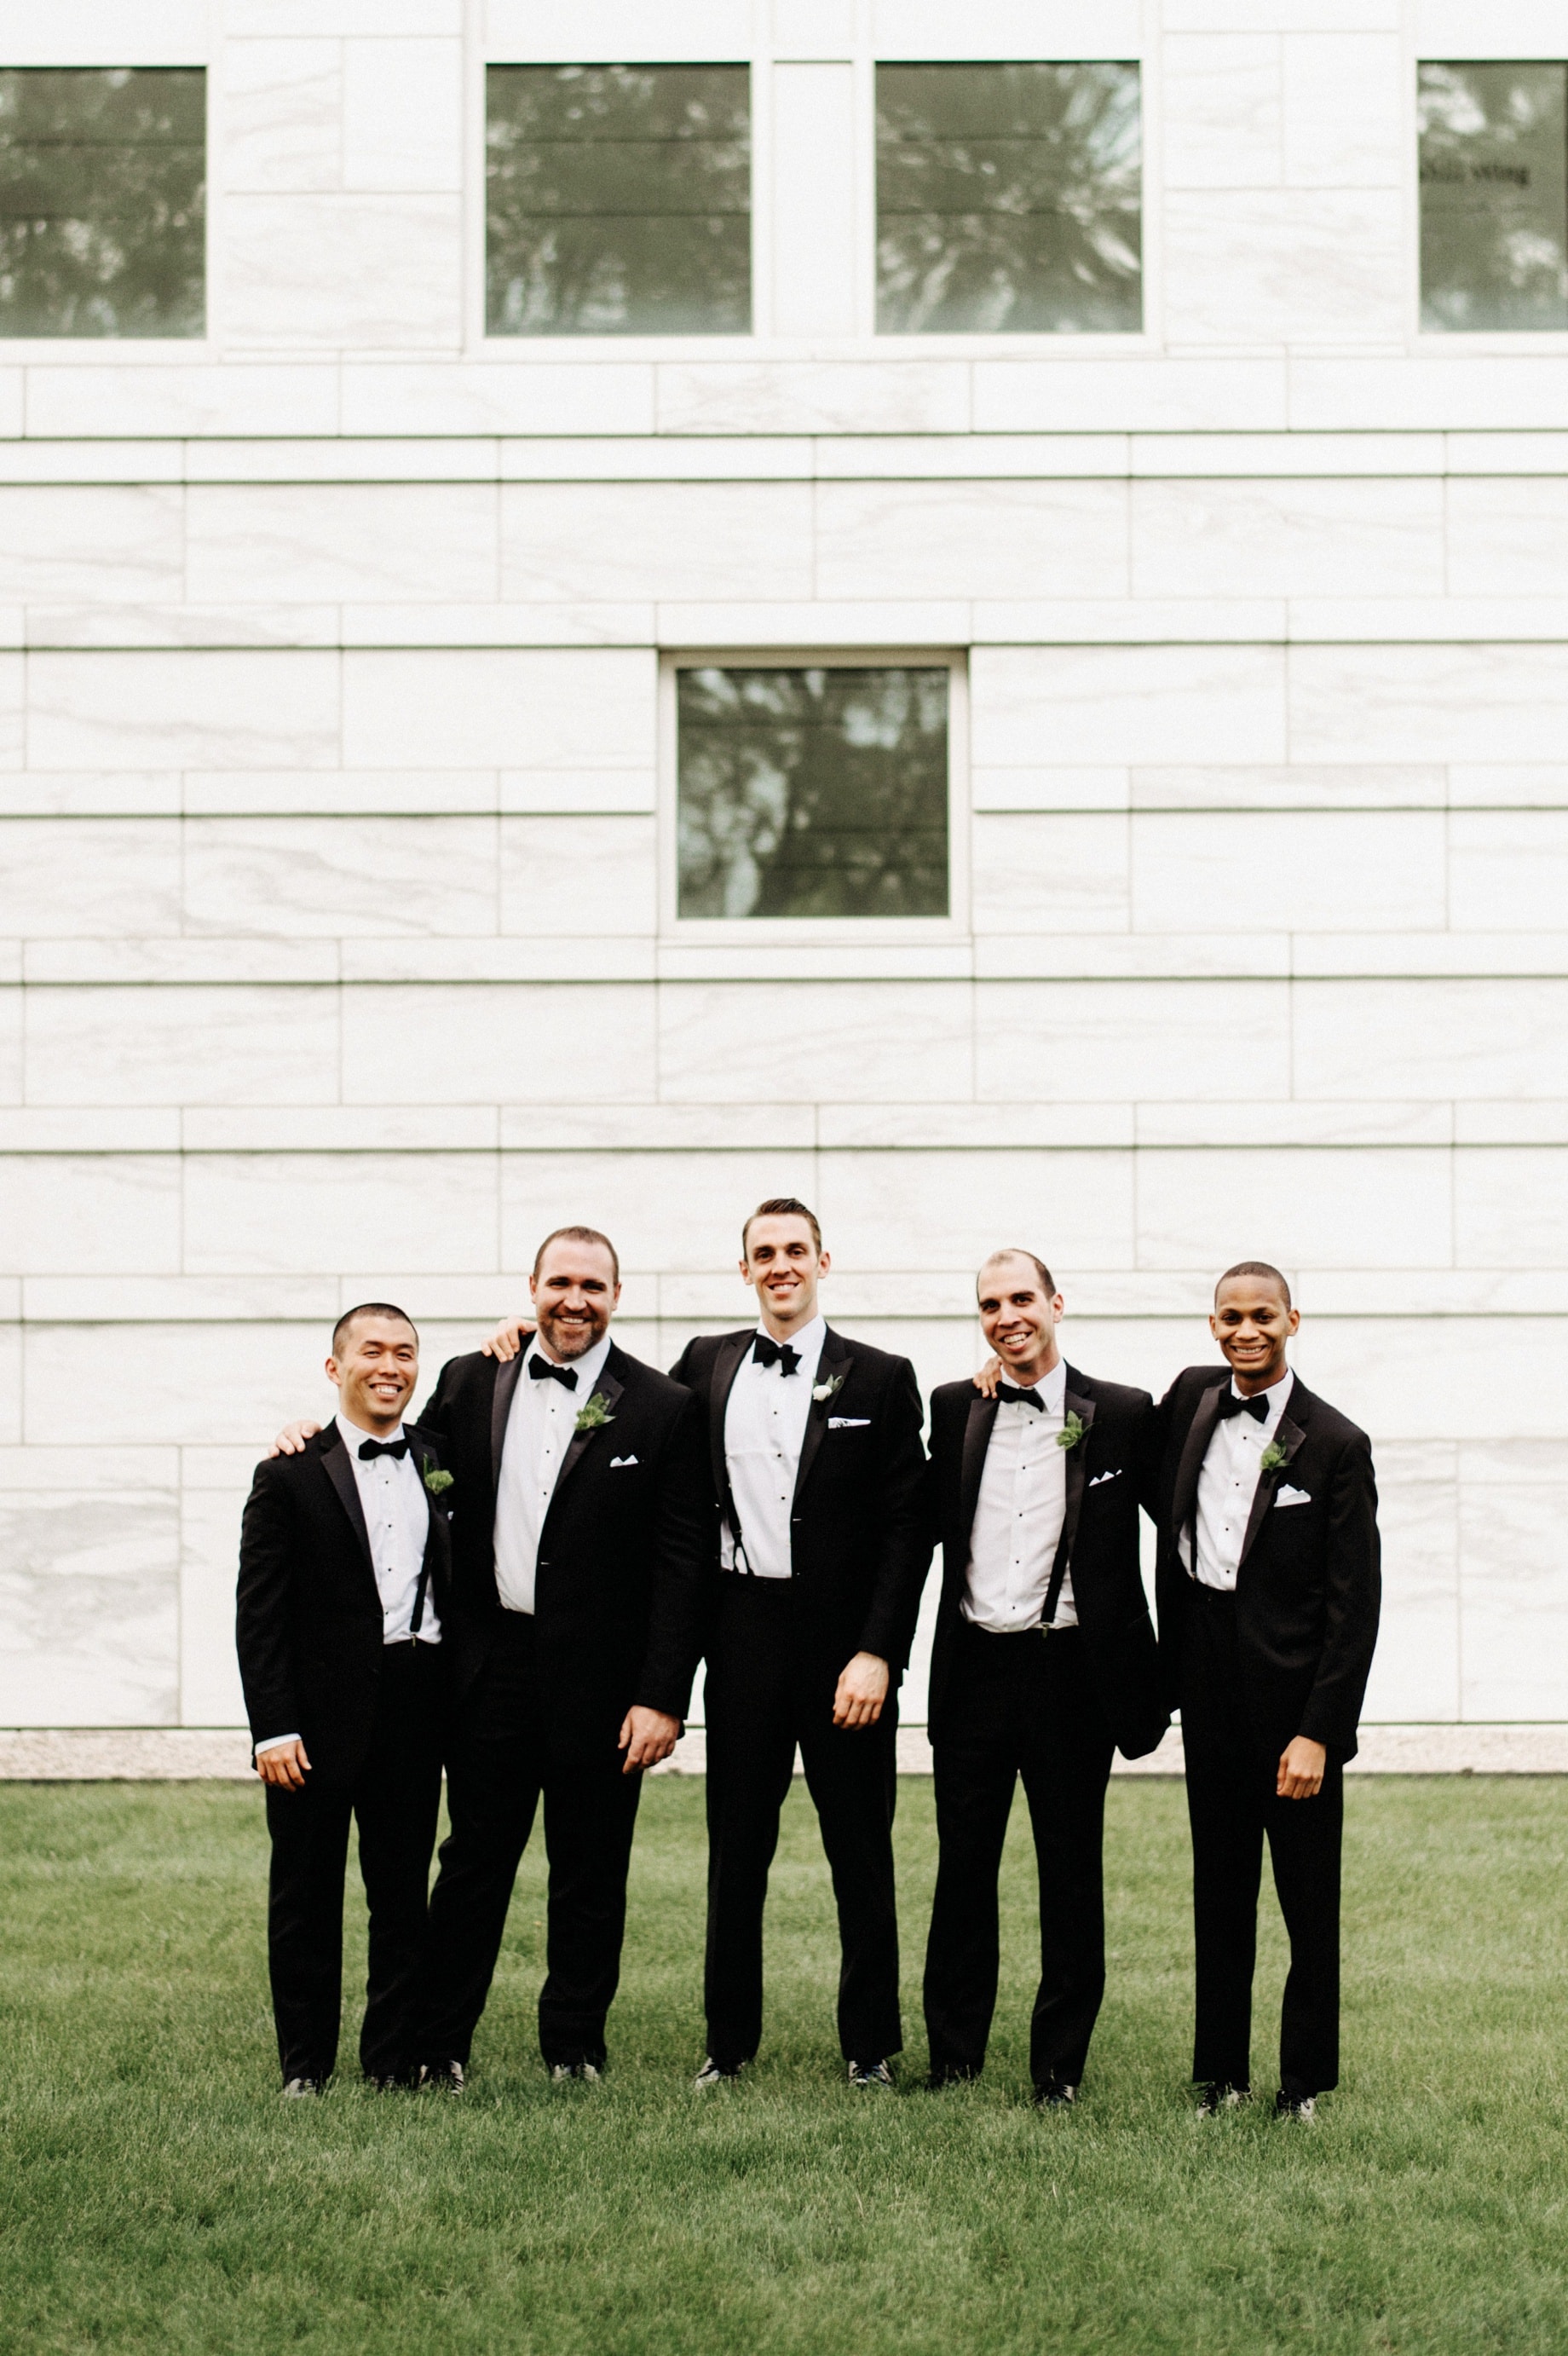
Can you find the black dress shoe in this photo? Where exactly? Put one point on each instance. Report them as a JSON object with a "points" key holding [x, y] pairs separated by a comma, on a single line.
{"points": [[1296, 2106], [716, 2074], [1214, 2098], [870, 2077], [441, 2077], [1055, 2095], [294, 2087], [950, 2073], [575, 2074]]}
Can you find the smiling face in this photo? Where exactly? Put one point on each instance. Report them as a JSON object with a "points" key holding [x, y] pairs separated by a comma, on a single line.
{"points": [[1252, 1321], [376, 1371], [575, 1293], [1017, 1316], [785, 1266]]}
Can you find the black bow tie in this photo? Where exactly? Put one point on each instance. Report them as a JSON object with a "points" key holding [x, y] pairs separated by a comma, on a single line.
{"points": [[1012, 1398], [370, 1449], [565, 1375], [1232, 1403], [769, 1353]]}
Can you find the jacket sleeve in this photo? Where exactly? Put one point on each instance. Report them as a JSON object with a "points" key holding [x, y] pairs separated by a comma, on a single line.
{"points": [[435, 1416], [682, 1544], [903, 1554], [1354, 1593], [268, 1547]]}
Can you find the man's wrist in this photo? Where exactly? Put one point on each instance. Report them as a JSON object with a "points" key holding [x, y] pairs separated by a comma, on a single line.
{"points": [[273, 1742]]}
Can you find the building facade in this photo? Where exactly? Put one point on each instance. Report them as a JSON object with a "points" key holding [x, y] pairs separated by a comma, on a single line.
{"points": [[956, 607]]}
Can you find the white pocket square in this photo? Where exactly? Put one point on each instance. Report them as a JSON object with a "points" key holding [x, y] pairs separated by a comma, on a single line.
{"points": [[615, 1460], [1289, 1496], [848, 1423], [1100, 1478]]}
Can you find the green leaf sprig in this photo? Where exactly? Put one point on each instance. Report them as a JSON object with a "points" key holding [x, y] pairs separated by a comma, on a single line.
{"points": [[1273, 1457], [1072, 1430], [437, 1482], [594, 1415]]}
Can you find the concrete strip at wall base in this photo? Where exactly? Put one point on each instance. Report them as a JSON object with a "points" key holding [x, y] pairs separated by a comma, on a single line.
{"points": [[190, 1755]]}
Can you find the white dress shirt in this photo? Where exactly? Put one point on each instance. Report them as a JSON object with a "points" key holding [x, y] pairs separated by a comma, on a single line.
{"points": [[764, 1430], [539, 1428], [1018, 1516], [1228, 1483]]}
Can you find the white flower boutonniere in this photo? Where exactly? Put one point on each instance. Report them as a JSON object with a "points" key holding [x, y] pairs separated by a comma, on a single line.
{"points": [[824, 1390], [594, 1415]]}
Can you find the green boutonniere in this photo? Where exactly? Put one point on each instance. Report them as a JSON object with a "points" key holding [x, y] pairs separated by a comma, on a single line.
{"points": [[1072, 1430], [594, 1416], [1273, 1457], [437, 1482]]}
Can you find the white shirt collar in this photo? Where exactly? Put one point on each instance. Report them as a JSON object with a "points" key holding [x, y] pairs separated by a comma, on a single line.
{"points": [[1277, 1395], [807, 1342], [348, 1426], [588, 1369], [1051, 1388]]}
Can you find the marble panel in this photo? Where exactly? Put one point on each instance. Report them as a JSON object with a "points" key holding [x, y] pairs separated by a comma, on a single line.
{"points": [[181, 1046], [187, 397], [11, 1046], [814, 29], [402, 113], [1050, 790], [1137, 393], [283, 103], [875, 1042], [698, 30], [655, 540], [1427, 702], [347, 17], [1344, 116], [1094, 1041], [284, 1214], [1502, 28], [497, 1042], [1293, 538], [911, 1210], [210, 1693], [422, 541], [339, 793], [1430, 1038], [1508, 869], [1220, 112], [1060, 873], [1298, 787], [1296, 1206], [1339, 872], [1511, 1206], [514, 395], [104, 542], [1339, 394], [1508, 536], [1006, 28], [89, 1213], [567, 709], [1297, 265], [562, 875], [207, 711], [1513, 1600], [815, 266], [184, 1393], [972, 540], [1281, 15], [672, 1212], [90, 1591], [1415, 1670], [88, 876], [377, 270], [581, 792], [1127, 703], [370, 877], [813, 397]]}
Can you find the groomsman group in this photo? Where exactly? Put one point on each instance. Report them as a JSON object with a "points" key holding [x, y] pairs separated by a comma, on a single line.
{"points": [[520, 1585]]}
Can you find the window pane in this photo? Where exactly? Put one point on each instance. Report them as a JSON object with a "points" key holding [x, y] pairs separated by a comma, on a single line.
{"points": [[1008, 200], [1494, 195], [620, 200], [102, 200], [813, 793]]}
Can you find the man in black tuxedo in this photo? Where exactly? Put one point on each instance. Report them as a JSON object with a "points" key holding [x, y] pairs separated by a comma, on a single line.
{"points": [[344, 1586], [1044, 1661], [573, 1630], [1268, 1592], [819, 1549]]}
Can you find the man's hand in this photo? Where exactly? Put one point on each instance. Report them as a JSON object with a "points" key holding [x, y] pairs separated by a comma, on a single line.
{"points": [[862, 1690], [1301, 1766], [647, 1737], [284, 1763], [506, 1341], [989, 1375], [290, 1440]]}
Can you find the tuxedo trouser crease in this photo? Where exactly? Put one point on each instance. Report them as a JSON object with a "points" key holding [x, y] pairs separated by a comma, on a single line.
{"points": [[396, 1799], [499, 1764], [1232, 1806], [770, 1688], [1017, 1706]]}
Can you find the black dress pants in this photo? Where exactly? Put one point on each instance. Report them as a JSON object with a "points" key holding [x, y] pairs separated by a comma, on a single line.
{"points": [[1018, 1706], [1231, 1805], [770, 1687], [396, 1799], [498, 1764]]}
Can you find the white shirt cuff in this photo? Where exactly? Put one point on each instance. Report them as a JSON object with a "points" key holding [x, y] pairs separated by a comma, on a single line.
{"points": [[273, 1742]]}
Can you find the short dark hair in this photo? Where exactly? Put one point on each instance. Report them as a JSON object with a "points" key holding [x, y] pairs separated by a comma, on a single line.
{"points": [[577, 1235], [1254, 1267], [1017, 1251], [781, 1206], [346, 1323]]}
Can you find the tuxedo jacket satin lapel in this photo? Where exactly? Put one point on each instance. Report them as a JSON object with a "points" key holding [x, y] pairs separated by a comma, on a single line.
{"points": [[609, 1388], [507, 1377], [977, 1440], [1199, 1432], [1289, 1436], [838, 1359], [339, 1471], [1075, 1403]]}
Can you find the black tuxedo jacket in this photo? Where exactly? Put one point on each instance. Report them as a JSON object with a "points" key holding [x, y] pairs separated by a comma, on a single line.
{"points": [[1309, 1587], [858, 1541], [618, 1596], [308, 1611], [1107, 1477]]}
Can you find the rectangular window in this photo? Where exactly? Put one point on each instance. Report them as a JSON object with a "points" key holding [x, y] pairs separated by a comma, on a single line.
{"points": [[1494, 194], [1008, 200], [102, 200], [619, 201], [818, 792]]}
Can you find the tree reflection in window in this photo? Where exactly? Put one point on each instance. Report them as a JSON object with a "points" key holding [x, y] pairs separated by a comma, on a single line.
{"points": [[814, 792], [1008, 200], [1494, 194], [102, 200]]}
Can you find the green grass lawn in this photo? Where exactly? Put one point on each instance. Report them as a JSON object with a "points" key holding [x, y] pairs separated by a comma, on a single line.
{"points": [[156, 2193]]}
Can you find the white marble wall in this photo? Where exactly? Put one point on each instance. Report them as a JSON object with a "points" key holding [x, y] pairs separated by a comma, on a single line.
{"points": [[334, 951]]}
